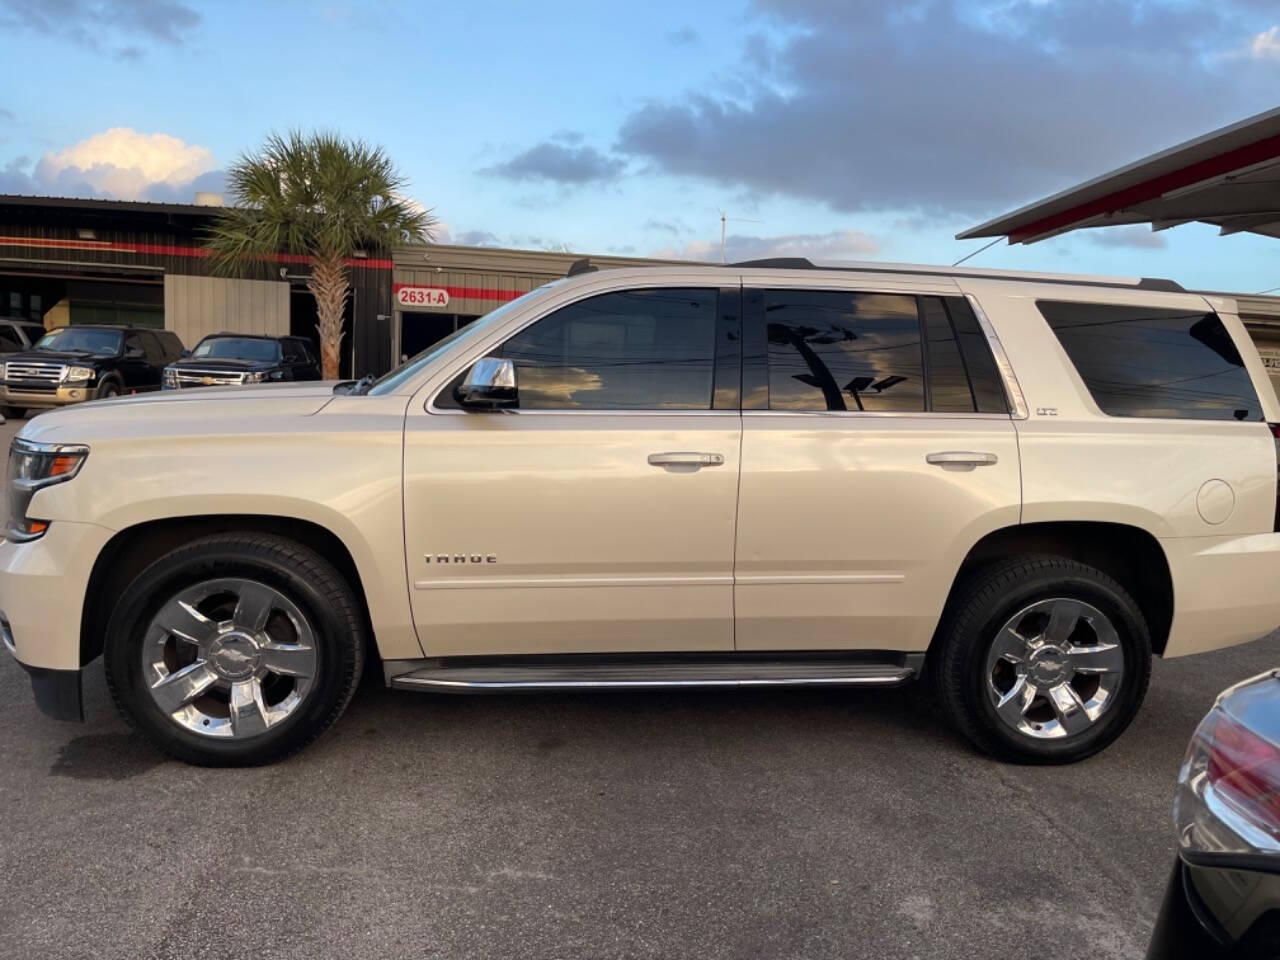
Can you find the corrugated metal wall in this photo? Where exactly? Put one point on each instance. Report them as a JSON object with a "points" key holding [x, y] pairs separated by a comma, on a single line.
{"points": [[195, 307]]}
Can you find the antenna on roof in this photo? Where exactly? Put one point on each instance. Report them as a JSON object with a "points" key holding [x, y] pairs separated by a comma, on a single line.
{"points": [[723, 220]]}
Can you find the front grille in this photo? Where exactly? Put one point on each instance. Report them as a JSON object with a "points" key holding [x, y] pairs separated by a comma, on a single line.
{"points": [[199, 378], [49, 374]]}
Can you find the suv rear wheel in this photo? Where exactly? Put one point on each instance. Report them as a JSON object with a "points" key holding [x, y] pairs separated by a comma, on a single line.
{"points": [[236, 649], [1043, 660]]}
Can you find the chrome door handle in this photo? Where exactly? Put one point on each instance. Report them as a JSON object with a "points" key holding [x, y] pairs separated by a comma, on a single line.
{"points": [[961, 458], [686, 459]]}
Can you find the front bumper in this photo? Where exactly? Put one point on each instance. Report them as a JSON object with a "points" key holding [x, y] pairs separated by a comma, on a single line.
{"points": [[42, 590], [60, 396]]}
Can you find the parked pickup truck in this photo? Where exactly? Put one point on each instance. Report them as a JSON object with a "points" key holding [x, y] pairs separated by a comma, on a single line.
{"points": [[1021, 487]]}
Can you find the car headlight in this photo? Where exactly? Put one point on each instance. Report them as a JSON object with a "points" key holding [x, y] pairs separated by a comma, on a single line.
{"points": [[255, 376], [2, 371], [170, 377], [34, 466], [78, 374]]}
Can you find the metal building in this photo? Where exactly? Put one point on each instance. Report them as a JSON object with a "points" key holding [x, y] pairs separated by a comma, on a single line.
{"points": [[66, 261]]}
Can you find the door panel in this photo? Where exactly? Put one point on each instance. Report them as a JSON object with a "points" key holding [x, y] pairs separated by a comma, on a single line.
{"points": [[572, 541], [848, 537]]}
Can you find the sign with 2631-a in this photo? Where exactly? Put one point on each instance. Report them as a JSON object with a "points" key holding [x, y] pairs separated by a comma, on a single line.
{"points": [[408, 295]]}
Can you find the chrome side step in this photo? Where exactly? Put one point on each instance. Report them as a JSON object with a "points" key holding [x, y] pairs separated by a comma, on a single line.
{"points": [[606, 674]]}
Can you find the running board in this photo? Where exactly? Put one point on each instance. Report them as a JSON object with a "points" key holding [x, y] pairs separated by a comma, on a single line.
{"points": [[500, 676]]}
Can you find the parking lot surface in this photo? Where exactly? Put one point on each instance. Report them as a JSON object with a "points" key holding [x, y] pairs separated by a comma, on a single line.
{"points": [[673, 824]]}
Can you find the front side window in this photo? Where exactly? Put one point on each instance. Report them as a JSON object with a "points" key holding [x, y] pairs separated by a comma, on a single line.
{"points": [[87, 340], [629, 350], [9, 339], [837, 350], [1149, 362]]}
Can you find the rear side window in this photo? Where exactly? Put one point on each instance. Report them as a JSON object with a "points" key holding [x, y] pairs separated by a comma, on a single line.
{"points": [[170, 343], [292, 351], [877, 352], [838, 350], [1147, 362]]}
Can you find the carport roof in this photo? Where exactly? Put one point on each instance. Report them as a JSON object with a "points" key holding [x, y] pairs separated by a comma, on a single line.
{"points": [[1230, 178]]}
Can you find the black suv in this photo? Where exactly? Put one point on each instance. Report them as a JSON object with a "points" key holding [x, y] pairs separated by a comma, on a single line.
{"points": [[72, 364], [233, 359]]}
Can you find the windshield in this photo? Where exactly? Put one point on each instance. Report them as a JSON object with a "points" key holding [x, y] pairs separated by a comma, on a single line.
{"points": [[411, 367], [102, 343], [237, 348]]}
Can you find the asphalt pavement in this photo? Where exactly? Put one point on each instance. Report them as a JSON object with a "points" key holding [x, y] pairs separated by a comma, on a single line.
{"points": [[671, 824]]}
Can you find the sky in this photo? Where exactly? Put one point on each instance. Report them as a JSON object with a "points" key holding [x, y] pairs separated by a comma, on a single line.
{"points": [[834, 128]]}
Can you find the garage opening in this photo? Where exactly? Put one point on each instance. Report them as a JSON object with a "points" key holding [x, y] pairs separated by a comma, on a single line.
{"points": [[419, 331]]}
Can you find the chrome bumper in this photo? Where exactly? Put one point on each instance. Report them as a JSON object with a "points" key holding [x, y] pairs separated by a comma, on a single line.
{"points": [[61, 396]]}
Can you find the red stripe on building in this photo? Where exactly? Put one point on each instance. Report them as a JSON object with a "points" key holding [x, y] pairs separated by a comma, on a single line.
{"points": [[472, 293], [171, 250]]}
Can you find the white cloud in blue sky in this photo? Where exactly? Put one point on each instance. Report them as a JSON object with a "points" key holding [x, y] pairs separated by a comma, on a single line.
{"points": [[856, 128]]}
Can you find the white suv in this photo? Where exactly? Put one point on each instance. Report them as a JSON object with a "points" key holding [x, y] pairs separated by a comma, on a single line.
{"points": [[774, 474]]}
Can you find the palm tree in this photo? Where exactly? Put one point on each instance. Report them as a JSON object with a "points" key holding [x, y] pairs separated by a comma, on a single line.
{"points": [[323, 197]]}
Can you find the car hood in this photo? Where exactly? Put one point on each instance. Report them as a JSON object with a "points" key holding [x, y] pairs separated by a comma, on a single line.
{"points": [[55, 356], [181, 412], [229, 364]]}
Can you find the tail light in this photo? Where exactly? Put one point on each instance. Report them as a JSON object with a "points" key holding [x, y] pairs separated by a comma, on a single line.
{"points": [[1228, 797]]}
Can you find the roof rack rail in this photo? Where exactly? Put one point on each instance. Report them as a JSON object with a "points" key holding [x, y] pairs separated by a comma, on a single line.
{"points": [[581, 266], [804, 263]]}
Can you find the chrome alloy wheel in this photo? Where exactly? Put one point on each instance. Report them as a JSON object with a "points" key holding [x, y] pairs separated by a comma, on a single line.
{"points": [[229, 658], [1054, 669]]}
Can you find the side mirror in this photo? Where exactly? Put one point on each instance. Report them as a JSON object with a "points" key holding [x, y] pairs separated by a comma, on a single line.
{"points": [[135, 353], [491, 382], [186, 353]]}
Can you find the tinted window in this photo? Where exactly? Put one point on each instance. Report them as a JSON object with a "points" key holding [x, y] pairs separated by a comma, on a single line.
{"points": [[34, 332], [1144, 362], [9, 339], [984, 376], [632, 350], [133, 341], [153, 347], [843, 351], [170, 343], [949, 390]]}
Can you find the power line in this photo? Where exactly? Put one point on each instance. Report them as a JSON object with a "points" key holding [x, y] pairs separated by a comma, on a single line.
{"points": [[978, 251]]}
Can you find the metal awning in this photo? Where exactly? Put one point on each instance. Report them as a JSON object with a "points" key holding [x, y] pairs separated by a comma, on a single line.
{"points": [[1230, 178]]}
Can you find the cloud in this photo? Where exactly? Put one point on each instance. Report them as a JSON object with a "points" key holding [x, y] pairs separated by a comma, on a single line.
{"points": [[125, 164], [1266, 45], [1140, 237], [684, 37], [7, 115], [97, 24], [557, 163], [673, 227], [951, 107], [477, 238], [838, 244], [119, 164]]}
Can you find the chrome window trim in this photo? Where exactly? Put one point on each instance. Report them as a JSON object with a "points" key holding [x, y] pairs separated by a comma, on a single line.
{"points": [[1017, 402], [914, 414], [648, 412]]}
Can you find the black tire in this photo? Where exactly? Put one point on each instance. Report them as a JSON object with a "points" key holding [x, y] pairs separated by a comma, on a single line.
{"points": [[109, 388], [983, 604], [306, 579], [13, 413]]}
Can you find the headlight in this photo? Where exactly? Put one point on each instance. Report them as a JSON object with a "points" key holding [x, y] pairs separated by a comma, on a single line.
{"points": [[255, 376], [33, 466], [170, 377], [2, 371], [79, 373]]}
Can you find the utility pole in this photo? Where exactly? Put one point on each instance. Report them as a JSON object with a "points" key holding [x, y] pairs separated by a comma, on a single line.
{"points": [[724, 219]]}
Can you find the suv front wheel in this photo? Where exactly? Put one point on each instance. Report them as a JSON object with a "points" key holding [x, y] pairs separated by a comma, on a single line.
{"points": [[1042, 660], [236, 649]]}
